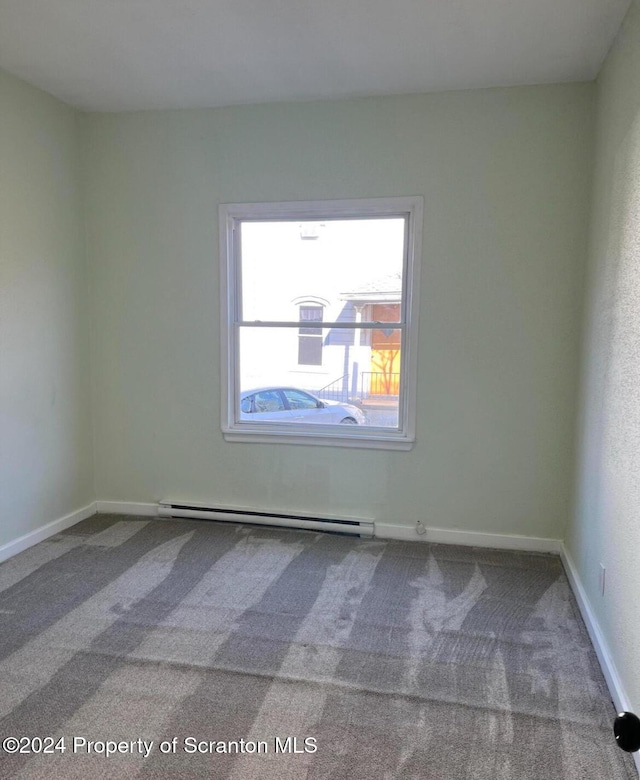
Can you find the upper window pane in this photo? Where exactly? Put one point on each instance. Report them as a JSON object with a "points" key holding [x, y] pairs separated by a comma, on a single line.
{"points": [[310, 314], [335, 270]]}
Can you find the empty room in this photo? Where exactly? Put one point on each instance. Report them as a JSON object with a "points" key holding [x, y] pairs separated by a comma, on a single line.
{"points": [[320, 390]]}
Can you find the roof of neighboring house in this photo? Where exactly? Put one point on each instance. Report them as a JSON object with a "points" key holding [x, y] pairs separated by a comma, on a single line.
{"points": [[383, 289]]}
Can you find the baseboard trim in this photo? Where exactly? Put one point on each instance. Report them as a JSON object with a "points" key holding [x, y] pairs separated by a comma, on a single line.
{"points": [[469, 538], [390, 531], [126, 508], [600, 644], [22, 543]]}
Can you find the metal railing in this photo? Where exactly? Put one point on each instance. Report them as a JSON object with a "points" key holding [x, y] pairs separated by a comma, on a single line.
{"points": [[370, 384], [338, 390]]}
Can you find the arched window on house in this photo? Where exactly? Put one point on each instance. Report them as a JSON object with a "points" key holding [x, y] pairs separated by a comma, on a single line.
{"points": [[310, 337]]}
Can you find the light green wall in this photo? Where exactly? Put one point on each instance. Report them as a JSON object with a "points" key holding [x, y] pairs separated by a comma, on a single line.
{"points": [[505, 176], [606, 525], [46, 461]]}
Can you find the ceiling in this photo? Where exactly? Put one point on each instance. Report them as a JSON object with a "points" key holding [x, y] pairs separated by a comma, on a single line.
{"points": [[118, 55]]}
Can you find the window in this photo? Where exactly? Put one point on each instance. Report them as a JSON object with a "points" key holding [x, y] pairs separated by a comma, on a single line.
{"points": [[296, 399], [310, 338], [319, 321], [267, 401]]}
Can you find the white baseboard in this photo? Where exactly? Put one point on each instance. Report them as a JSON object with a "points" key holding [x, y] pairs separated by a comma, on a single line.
{"points": [[126, 508], [10, 549], [600, 644], [468, 538]]}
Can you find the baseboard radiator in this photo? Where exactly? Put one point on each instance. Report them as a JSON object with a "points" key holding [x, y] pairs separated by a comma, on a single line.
{"points": [[347, 525]]}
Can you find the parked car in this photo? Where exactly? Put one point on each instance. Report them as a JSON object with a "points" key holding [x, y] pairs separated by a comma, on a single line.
{"points": [[290, 404]]}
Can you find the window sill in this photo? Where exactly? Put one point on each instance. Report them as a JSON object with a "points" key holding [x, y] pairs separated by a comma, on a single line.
{"points": [[321, 439]]}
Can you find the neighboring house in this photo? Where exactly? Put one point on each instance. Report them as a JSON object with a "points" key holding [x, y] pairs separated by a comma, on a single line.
{"points": [[379, 301]]}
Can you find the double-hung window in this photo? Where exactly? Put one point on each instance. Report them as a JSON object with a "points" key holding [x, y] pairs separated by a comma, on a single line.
{"points": [[319, 308]]}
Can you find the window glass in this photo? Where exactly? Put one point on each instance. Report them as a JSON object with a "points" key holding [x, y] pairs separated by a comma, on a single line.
{"points": [[298, 400], [349, 261], [268, 401], [309, 351]]}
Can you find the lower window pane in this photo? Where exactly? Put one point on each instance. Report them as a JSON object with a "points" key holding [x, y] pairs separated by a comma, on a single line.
{"points": [[334, 378], [310, 350]]}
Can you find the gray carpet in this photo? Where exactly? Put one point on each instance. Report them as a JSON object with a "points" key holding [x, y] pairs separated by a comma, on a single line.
{"points": [[400, 660]]}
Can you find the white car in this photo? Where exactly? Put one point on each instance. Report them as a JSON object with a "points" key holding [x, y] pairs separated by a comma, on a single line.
{"points": [[289, 404]]}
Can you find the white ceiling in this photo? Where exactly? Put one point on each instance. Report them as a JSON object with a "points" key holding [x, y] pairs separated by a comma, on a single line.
{"points": [[112, 55]]}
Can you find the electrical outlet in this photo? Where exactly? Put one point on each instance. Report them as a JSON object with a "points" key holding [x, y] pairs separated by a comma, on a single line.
{"points": [[420, 529], [601, 579]]}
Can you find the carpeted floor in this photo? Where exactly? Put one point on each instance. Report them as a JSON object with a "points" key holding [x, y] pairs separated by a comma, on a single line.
{"points": [[400, 660]]}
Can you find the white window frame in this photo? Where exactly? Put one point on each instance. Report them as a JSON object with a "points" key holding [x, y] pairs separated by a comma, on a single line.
{"points": [[231, 215]]}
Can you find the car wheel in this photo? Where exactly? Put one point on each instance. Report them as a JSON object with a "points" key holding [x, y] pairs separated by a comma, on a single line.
{"points": [[348, 421]]}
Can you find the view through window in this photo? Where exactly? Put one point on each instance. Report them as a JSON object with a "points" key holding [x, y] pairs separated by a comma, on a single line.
{"points": [[319, 322]]}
